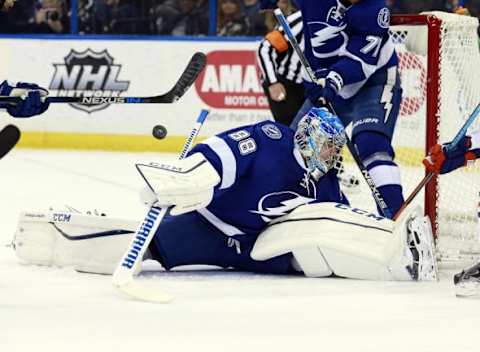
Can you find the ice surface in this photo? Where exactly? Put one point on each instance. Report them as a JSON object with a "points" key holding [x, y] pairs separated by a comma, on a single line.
{"points": [[49, 309]]}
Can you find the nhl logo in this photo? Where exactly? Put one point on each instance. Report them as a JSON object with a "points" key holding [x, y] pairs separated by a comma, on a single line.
{"points": [[88, 74]]}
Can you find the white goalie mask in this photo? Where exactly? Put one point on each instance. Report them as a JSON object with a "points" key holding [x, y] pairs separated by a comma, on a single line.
{"points": [[319, 138]]}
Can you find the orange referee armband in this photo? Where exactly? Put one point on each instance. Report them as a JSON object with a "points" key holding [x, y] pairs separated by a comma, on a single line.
{"points": [[278, 41]]}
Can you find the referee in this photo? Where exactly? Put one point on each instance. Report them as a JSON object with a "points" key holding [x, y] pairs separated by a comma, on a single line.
{"points": [[282, 71]]}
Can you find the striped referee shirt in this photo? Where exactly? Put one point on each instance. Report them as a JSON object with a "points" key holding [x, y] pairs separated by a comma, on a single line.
{"points": [[276, 56]]}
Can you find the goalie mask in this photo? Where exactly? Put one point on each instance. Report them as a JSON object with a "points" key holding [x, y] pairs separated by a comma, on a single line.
{"points": [[319, 138]]}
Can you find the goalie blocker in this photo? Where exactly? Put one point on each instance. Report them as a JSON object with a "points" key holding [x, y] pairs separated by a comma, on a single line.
{"points": [[323, 239]]}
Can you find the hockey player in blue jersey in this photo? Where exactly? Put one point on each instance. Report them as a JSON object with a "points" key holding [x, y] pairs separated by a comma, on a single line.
{"points": [[348, 45], [265, 171], [258, 198], [31, 94]]}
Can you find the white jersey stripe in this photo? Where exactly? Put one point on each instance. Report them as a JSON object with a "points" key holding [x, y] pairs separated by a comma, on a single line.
{"points": [[383, 175], [227, 158], [227, 229], [265, 62]]}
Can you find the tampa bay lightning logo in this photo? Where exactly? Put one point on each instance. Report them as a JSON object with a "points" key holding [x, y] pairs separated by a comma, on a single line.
{"points": [[383, 18], [272, 131], [276, 204], [328, 38]]}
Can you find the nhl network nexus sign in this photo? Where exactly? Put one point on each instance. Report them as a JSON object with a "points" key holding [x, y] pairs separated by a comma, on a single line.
{"points": [[88, 74]]}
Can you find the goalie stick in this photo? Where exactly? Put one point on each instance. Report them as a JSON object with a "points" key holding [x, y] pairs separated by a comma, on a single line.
{"points": [[123, 276], [382, 205], [189, 75], [460, 134], [9, 137]]}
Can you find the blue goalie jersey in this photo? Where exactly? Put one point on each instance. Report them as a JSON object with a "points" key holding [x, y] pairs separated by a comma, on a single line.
{"points": [[352, 41], [262, 177]]}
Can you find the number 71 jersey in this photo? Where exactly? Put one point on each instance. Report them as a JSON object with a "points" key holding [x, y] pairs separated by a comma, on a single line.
{"points": [[352, 41], [263, 177]]}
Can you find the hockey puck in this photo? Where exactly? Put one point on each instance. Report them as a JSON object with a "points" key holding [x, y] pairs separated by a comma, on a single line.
{"points": [[159, 132]]}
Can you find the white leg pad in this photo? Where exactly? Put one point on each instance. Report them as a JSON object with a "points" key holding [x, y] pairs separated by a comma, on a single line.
{"points": [[312, 262], [87, 243], [334, 238]]}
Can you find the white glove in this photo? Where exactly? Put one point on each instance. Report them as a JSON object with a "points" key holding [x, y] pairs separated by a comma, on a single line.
{"points": [[186, 184], [148, 197]]}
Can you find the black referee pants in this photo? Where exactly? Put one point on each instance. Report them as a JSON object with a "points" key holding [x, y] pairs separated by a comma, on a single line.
{"points": [[284, 111]]}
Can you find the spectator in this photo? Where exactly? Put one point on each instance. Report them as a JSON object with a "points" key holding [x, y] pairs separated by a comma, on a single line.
{"points": [[394, 6], [421, 6], [231, 20], [87, 21], [251, 8], [50, 17], [462, 7], [117, 17], [17, 19], [473, 7], [182, 17], [287, 8]]}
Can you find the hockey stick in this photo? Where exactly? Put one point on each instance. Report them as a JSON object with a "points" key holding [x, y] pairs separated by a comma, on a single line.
{"points": [[189, 75], [123, 275], [9, 137], [382, 205], [460, 134]]}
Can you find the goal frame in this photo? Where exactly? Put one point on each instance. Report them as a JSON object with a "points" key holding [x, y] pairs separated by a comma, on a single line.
{"points": [[433, 24]]}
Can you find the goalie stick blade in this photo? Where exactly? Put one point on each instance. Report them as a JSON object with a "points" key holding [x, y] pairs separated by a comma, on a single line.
{"points": [[9, 137], [134, 290]]}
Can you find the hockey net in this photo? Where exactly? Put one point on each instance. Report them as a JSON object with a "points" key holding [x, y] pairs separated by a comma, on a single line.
{"points": [[440, 72]]}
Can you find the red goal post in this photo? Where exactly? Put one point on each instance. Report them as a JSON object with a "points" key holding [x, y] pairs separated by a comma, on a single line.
{"points": [[432, 87]]}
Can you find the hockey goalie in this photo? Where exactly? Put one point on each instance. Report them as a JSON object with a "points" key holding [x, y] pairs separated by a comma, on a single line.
{"points": [[260, 198]]}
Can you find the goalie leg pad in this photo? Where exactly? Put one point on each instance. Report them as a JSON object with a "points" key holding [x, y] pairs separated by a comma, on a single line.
{"points": [[87, 243], [335, 238]]}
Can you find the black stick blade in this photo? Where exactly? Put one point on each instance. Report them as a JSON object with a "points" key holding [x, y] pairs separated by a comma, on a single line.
{"points": [[188, 77], [9, 137]]}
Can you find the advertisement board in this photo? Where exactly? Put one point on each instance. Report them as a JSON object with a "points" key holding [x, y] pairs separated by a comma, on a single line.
{"points": [[229, 86]]}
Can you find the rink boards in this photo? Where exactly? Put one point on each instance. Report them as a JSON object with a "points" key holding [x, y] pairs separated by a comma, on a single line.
{"points": [[229, 86]]}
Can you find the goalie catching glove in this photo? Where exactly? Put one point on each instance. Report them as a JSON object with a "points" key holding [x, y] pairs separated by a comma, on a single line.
{"points": [[442, 161], [186, 184]]}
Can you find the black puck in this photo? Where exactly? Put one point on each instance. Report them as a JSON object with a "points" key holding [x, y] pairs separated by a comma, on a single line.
{"points": [[159, 132]]}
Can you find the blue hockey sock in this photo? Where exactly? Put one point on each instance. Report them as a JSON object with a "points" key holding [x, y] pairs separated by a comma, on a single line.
{"points": [[376, 152]]}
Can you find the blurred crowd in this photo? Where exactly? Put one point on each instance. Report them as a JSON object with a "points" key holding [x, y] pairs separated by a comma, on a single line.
{"points": [[173, 17]]}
